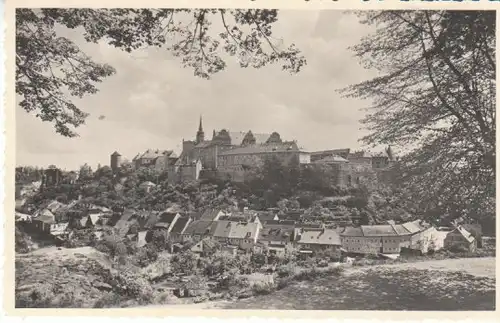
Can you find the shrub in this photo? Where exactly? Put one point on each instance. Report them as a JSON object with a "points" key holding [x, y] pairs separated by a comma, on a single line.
{"points": [[109, 299], [263, 289], [41, 297]]}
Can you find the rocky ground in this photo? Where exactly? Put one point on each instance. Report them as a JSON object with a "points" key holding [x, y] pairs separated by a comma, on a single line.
{"points": [[84, 277]]}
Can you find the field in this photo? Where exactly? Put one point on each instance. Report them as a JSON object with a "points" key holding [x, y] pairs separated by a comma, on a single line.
{"points": [[454, 284]]}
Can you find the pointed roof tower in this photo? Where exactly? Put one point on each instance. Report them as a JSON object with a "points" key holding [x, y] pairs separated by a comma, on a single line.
{"points": [[200, 135]]}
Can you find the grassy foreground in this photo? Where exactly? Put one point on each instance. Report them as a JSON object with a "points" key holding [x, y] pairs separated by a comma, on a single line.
{"points": [[385, 288]]}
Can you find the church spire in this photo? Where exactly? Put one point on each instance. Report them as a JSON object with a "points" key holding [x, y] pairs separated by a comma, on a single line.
{"points": [[200, 135]]}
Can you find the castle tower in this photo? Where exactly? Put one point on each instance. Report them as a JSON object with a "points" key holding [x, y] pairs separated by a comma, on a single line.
{"points": [[116, 160], [200, 135]]}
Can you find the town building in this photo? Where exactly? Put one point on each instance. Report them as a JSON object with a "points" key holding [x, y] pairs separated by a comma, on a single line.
{"points": [[179, 227], [231, 154], [311, 240], [460, 238], [197, 230], [155, 158], [387, 238], [115, 161], [241, 234], [277, 239]]}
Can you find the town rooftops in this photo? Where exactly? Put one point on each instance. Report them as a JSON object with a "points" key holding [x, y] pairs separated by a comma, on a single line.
{"points": [[413, 227], [384, 230], [180, 225], [266, 216], [280, 223], [352, 232], [317, 236], [167, 217], [262, 149], [46, 218], [199, 227], [152, 154], [235, 230], [276, 234], [378, 230], [210, 214], [237, 137]]}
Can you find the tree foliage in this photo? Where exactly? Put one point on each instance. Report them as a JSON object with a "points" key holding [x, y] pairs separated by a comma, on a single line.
{"points": [[50, 69], [435, 101]]}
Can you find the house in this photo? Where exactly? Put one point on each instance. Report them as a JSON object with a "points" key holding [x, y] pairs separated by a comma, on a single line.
{"points": [[46, 224], [241, 217], [147, 186], [373, 239], [387, 238], [179, 227], [277, 239], [267, 216], [293, 215], [313, 239], [166, 221], [197, 230], [460, 238], [477, 232], [241, 234], [204, 247]]}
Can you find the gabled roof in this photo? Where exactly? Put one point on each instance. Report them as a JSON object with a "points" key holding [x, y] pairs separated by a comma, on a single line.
{"points": [[413, 227], [381, 230], [276, 234], [352, 232], [153, 153], [318, 236], [466, 234], [401, 230], [235, 230], [199, 227], [281, 223], [210, 214], [167, 217], [264, 217], [238, 136], [180, 225], [94, 218], [46, 218]]}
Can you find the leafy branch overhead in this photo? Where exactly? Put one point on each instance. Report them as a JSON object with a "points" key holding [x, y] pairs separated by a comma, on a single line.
{"points": [[435, 100], [51, 69]]}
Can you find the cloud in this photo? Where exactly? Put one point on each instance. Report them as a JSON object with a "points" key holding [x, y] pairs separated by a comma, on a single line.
{"points": [[153, 102]]}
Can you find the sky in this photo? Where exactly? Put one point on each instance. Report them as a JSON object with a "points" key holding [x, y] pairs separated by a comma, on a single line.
{"points": [[153, 102]]}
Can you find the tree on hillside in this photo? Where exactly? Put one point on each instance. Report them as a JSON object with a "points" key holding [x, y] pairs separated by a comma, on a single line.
{"points": [[435, 100], [49, 66]]}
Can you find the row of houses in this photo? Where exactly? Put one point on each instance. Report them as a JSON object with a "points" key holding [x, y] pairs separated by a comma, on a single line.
{"points": [[250, 230]]}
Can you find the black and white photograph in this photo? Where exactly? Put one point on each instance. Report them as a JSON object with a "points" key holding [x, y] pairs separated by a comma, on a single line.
{"points": [[254, 159]]}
